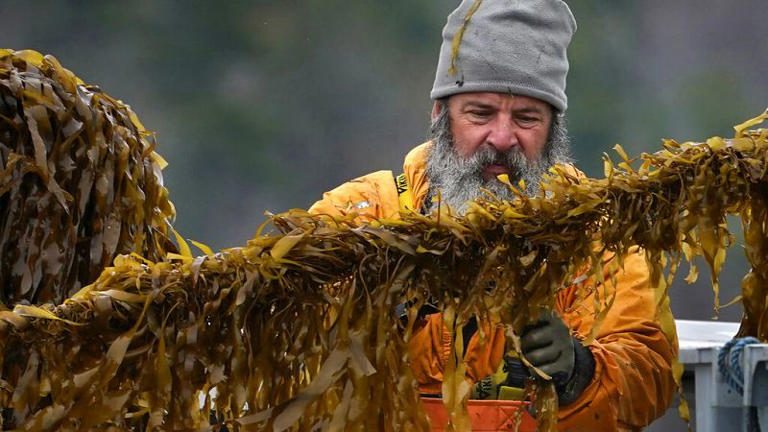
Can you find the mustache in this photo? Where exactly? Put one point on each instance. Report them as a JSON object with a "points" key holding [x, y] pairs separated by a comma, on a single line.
{"points": [[513, 159]]}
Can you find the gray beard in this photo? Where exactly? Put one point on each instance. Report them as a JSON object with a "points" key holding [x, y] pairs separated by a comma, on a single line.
{"points": [[459, 180]]}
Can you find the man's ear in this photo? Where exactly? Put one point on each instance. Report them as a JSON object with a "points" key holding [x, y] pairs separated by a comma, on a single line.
{"points": [[437, 107]]}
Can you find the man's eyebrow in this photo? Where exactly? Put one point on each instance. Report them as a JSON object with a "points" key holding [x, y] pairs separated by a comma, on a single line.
{"points": [[476, 104], [529, 110]]}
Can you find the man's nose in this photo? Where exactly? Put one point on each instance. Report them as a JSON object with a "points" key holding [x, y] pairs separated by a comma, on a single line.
{"points": [[503, 135]]}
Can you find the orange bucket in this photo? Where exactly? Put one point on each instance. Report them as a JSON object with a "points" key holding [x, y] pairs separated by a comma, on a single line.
{"points": [[485, 415]]}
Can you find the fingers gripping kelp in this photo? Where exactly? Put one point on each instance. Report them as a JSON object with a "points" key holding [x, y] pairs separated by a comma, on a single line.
{"points": [[297, 330]]}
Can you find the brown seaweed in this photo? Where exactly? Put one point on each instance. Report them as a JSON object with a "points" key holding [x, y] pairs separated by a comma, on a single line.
{"points": [[296, 330]]}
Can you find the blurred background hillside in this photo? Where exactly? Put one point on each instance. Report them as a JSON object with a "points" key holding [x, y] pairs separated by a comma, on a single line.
{"points": [[263, 105]]}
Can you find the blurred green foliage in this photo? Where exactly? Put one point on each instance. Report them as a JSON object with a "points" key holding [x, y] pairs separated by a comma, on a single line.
{"points": [[263, 105]]}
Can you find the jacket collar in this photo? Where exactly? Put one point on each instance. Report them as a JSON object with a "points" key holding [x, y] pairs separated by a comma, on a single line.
{"points": [[415, 169]]}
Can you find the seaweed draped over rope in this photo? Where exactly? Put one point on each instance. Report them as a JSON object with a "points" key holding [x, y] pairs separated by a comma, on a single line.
{"points": [[80, 182], [296, 330]]}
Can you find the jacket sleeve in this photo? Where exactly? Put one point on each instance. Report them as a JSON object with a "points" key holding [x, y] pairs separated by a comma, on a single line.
{"points": [[633, 382], [372, 196]]}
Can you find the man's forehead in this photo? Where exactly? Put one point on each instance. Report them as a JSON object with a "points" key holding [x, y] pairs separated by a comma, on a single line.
{"points": [[492, 99]]}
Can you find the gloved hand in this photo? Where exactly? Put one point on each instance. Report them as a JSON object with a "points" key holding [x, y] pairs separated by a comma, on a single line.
{"points": [[549, 346]]}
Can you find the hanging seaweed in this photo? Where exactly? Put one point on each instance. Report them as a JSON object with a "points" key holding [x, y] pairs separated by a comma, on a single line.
{"points": [[80, 182], [296, 330]]}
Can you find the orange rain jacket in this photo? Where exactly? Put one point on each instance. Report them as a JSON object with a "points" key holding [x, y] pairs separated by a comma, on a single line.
{"points": [[633, 350]]}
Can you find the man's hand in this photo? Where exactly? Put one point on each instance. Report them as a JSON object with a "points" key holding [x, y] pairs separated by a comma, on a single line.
{"points": [[548, 345]]}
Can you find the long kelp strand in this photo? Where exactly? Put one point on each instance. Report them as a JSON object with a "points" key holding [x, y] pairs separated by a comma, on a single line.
{"points": [[297, 331]]}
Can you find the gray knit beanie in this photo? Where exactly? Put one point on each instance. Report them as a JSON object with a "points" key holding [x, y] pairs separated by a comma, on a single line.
{"points": [[507, 46]]}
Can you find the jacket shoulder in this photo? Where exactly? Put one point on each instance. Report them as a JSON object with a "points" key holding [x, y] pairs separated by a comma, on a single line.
{"points": [[372, 196]]}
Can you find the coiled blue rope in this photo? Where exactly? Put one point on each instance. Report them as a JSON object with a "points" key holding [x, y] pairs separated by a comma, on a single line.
{"points": [[729, 362]]}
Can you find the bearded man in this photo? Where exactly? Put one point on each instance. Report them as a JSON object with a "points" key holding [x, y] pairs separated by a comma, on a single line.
{"points": [[499, 104]]}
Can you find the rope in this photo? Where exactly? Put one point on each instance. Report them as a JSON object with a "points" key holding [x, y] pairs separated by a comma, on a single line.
{"points": [[729, 362]]}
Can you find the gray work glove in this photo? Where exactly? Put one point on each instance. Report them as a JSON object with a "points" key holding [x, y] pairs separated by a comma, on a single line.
{"points": [[549, 346]]}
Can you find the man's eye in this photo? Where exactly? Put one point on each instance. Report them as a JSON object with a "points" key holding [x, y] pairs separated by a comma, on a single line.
{"points": [[528, 121], [480, 114]]}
